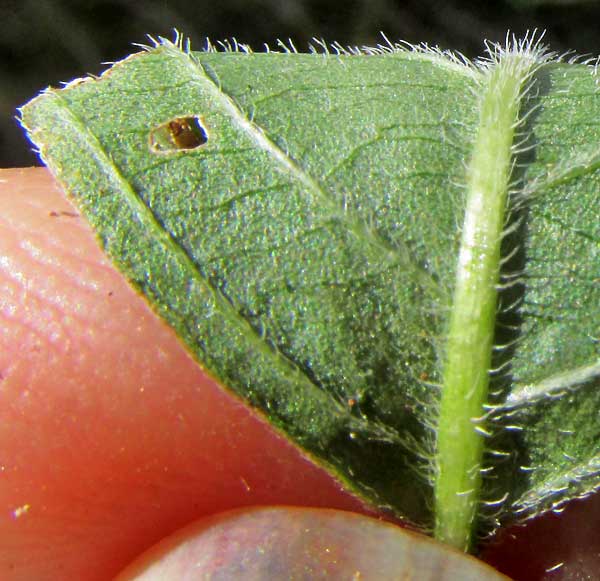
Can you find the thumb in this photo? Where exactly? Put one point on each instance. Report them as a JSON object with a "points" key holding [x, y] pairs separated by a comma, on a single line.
{"points": [[294, 543]]}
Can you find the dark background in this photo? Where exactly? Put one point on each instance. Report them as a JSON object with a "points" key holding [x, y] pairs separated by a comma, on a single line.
{"points": [[45, 42]]}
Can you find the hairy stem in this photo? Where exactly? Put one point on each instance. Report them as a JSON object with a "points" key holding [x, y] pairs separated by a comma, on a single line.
{"points": [[460, 433]]}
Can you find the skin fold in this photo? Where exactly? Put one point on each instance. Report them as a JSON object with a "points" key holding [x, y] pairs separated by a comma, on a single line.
{"points": [[112, 438]]}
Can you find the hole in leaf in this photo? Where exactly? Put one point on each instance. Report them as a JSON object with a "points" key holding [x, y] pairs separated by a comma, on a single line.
{"points": [[178, 134]]}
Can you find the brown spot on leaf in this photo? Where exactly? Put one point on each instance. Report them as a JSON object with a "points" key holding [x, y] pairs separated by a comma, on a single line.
{"points": [[179, 134]]}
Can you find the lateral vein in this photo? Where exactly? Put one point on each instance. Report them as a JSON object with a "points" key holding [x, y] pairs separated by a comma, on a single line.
{"points": [[398, 252], [145, 215], [553, 386]]}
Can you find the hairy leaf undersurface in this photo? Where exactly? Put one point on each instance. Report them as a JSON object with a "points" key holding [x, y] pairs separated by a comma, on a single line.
{"points": [[394, 255]]}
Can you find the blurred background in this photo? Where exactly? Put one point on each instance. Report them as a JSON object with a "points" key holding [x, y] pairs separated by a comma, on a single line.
{"points": [[44, 42]]}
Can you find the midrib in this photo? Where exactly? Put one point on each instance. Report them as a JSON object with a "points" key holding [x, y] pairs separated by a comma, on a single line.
{"points": [[460, 433]]}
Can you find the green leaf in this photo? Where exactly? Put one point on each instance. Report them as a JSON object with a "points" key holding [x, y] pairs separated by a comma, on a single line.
{"points": [[393, 255]]}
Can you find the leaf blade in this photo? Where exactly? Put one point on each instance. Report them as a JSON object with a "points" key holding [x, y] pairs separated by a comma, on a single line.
{"points": [[360, 445], [304, 273]]}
